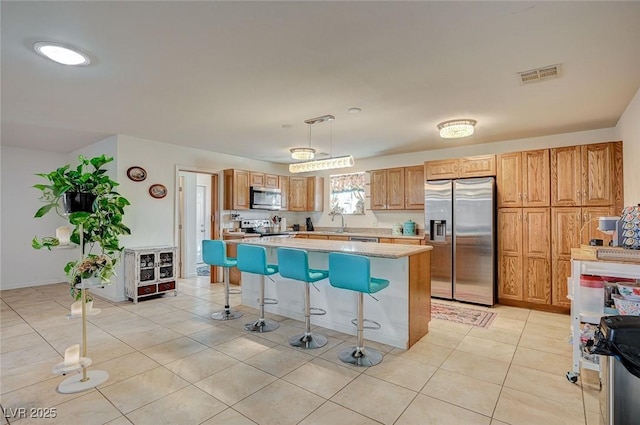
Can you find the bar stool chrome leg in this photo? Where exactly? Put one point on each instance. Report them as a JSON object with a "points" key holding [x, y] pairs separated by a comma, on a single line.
{"points": [[227, 313], [359, 355], [308, 339], [262, 324]]}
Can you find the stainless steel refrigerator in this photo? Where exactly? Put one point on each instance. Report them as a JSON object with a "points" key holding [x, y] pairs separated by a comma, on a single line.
{"points": [[460, 225]]}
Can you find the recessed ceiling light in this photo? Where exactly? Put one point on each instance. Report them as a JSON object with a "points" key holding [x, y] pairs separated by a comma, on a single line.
{"points": [[61, 53], [287, 126], [354, 110]]}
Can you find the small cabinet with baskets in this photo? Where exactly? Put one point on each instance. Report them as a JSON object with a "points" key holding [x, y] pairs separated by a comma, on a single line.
{"points": [[149, 271]]}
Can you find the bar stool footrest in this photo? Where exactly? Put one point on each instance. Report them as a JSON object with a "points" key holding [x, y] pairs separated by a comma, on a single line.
{"points": [[374, 324], [315, 311], [268, 301], [235, 291]]}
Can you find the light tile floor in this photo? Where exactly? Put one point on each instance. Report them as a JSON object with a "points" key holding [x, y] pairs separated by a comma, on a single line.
{"points": [[169, 363]]}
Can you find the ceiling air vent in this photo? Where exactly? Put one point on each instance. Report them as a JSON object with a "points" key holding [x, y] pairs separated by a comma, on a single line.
{"points": [[540, 74]]}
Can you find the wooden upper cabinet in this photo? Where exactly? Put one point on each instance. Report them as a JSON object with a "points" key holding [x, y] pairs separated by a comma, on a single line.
{"points": [[587, 175], [256, 179], [315, 194], [566, 186], [536, 174], [378, 189], [283, 182], [271, 181], [441, 169], [236, 190], [395, 189], [598, 175], [387, 189], [477, 166], [472, 166], [264, 180], [414, 187], [297, 193], [509, 180], [523, 179]]}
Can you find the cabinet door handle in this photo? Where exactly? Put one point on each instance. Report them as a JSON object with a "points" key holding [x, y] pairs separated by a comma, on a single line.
{"points": [[584, 218], [525, 196], [520, 196], [584, 194]]}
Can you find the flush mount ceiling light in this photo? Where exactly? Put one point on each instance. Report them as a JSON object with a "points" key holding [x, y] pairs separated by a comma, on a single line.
{"points": [[302, 153], [455, 129], [322, 164], [61, 53]]}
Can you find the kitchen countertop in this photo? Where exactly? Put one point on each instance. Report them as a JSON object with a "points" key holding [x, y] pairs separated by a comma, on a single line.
{"points": [[333, 233], [321, 245], [590, 253]]}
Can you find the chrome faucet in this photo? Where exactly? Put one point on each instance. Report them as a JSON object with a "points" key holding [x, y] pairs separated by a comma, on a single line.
{"points": [[334, 214]]}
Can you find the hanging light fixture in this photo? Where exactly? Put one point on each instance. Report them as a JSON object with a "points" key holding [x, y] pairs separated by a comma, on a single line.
{"points": [[455, 129], [320, 164], [304, 154]]}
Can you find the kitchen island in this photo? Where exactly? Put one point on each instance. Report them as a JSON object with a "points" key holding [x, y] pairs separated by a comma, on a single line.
{"points": [[403, 309]]}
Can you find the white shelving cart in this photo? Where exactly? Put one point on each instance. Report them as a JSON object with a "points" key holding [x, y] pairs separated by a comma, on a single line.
{"points": [[583, 308]]}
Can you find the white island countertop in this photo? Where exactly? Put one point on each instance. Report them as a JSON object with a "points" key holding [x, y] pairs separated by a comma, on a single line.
{"points": [[380, 250]]}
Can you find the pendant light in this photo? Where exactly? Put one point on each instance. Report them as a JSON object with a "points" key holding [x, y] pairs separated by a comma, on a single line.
{"points": [[322, 164]]}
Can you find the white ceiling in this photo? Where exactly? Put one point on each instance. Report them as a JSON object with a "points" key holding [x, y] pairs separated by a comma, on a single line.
{"points": [[225, 76]]}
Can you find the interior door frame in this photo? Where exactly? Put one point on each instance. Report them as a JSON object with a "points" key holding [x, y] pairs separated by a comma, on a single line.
{"points": [[215, 227]]}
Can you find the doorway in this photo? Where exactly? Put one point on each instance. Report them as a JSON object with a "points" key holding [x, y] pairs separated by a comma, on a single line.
{"points": [[198, 212]]}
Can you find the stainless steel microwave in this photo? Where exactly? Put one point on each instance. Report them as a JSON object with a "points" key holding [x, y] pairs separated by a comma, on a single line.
{"points": [[265, 198]]}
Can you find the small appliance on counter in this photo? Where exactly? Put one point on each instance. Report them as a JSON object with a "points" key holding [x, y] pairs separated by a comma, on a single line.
{"points": [[409, 228], [309, 225], [396, 229]]}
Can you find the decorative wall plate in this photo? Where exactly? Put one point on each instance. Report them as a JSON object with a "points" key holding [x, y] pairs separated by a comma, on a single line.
{"points": [[158, 191], [137, 174]]}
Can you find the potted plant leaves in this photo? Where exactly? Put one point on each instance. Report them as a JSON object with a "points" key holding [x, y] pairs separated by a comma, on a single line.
{"points": [[87, 198]]}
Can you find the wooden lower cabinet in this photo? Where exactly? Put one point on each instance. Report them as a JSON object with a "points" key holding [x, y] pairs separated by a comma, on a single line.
{"points": [[524, 255], [572, 226]]}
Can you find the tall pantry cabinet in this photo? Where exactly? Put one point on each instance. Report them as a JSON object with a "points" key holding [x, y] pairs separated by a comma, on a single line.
{"points": [[586, 183], [545, 198]]}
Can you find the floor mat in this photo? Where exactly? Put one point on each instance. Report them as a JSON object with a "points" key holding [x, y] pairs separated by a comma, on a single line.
{"points": [[461, 314], [203, 270]]}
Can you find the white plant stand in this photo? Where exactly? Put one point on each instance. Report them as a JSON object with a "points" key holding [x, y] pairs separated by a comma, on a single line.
{"points": [[87, 379]]}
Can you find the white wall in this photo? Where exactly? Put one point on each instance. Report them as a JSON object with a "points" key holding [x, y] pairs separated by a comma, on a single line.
{"points": [[21, 264], [628, 130]]}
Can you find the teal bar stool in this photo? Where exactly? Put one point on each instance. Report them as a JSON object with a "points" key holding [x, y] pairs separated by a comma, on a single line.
{"points": [[353, 272], [253, 259], [214, 253], [294, 264]]}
